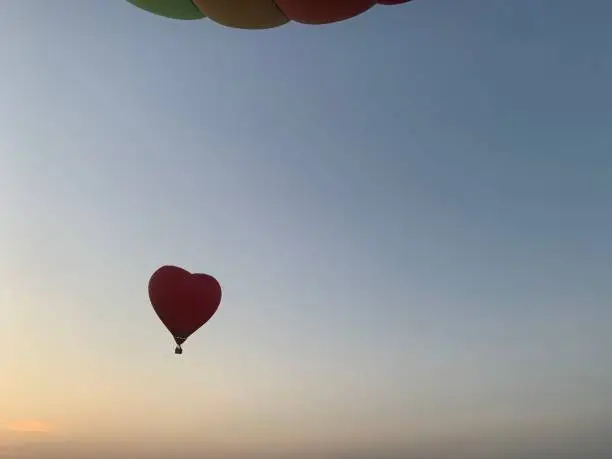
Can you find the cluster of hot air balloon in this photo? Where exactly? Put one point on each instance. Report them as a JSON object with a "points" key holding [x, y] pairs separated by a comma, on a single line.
{"points": [[262, 14], [182, 300]]}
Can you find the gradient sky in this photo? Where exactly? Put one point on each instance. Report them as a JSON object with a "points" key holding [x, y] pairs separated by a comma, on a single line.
{"points": [[410, 214]]}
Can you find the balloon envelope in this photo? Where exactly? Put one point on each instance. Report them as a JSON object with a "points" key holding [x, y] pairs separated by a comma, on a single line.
{"points": [[183, 301], [262, 14], [175, 9]]}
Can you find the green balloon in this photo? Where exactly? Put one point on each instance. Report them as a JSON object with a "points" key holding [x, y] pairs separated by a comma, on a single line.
{"points": [[175, 9]]}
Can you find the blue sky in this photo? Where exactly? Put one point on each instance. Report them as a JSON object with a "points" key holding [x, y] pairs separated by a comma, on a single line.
{"points": [[409, 213]]}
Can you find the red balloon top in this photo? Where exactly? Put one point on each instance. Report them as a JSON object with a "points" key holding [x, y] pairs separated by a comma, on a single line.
{"points": [[182, 300]]}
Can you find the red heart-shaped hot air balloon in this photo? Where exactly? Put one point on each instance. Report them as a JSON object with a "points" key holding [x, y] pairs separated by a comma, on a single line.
{"points": [[183, 301]]}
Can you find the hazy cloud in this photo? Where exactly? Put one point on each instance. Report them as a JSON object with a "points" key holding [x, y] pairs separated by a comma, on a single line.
{"points": [[28, 426]]}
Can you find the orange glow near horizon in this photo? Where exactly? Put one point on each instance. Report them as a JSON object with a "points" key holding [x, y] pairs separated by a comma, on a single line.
{"points": [[28, 426]]}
